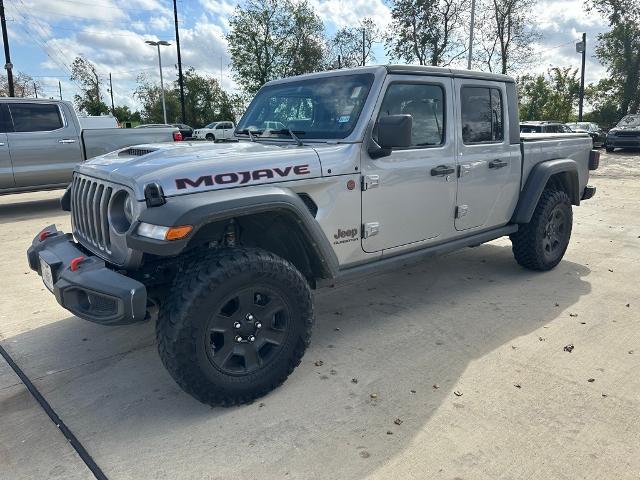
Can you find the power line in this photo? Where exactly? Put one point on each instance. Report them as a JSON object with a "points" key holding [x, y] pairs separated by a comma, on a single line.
{"points": [[93, 4]]}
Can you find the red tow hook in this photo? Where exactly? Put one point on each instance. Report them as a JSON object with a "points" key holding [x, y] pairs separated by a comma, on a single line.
{"points": [[44, 234], [75, 263]]}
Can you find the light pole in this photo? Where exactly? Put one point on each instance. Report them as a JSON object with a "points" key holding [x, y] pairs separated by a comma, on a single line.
{"points": [[473, 21], [157, 44]]}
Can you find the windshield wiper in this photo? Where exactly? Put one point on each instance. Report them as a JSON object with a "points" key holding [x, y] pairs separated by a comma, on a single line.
{"points": [[251, 134], [293, 135]]}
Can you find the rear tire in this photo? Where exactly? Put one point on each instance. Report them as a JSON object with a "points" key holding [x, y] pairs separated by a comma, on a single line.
{"points": [[541, 243], [235, 325]]}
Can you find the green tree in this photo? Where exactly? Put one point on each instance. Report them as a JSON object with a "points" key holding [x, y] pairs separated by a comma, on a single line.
{"points": [[23, 85], [604, 100], [619, 50], [271, 39], [505, 32], [85, 75], [347, 44], [150, 96], [427, 32], [124, 114], [553, 96]]}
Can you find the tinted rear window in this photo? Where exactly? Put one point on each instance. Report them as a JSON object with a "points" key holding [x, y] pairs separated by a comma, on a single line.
{"points": [[34, 117], [482, 115]]}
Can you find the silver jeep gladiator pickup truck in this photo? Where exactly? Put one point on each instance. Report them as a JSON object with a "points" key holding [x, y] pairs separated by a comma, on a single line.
{"points": [[221, 244]]}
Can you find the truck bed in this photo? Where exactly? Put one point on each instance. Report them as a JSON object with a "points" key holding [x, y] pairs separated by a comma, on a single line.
{"points": [[538, 147]]}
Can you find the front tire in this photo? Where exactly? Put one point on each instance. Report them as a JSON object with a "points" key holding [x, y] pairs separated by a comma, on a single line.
{"points": [[235, 325], [210, 137], [541, 243], [608, 148]]}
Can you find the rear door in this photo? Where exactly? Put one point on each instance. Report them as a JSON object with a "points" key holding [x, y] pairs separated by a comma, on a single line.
{"points": [[6, 169], [489, 166], [409, 195], [45, 146]]}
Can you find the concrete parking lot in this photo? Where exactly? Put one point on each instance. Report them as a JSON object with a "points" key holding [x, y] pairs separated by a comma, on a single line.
{"points": [[454, 368]]}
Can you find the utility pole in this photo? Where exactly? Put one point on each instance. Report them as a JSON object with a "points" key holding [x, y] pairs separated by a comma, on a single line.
{"points": [[35, 89], [339, 62], [7, 55], [60, 89], [473, 20], [364, 53], [180, 80], [581, 47], [113, 108], [220, 71]]}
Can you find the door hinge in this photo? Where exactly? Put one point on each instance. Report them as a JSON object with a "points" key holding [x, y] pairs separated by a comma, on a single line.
{"points": [[370, 229], [461, 211], [370, 181]]}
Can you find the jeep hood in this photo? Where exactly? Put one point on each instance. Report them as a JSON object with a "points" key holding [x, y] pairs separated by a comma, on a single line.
{"points": [[188, 167]]}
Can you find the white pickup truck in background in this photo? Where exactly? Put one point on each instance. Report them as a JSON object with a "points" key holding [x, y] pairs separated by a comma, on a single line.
{"points": [[42, 141]]}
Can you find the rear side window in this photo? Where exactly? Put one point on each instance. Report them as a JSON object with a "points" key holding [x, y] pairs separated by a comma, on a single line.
{"points": [[425, 104], [482, 115], [35, 117]]}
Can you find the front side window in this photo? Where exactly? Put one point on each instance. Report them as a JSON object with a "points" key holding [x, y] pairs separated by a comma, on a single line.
{"points": [[482, 115], [326, 107], [425, 104], [35, 117]]}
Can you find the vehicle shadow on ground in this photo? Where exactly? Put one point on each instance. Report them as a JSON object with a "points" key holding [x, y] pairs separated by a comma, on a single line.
{"points": [[378, 348], [30, 209]]}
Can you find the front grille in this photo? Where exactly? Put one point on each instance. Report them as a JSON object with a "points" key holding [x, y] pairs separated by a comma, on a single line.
{"points": [[89, 207], [624, 133]]}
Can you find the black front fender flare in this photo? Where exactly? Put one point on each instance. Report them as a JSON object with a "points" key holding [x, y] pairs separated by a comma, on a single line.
{"points": [[200, 209], [537, 181]]}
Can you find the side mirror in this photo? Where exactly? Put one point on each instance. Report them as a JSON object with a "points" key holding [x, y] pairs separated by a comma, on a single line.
{"points": [[394, 131]]}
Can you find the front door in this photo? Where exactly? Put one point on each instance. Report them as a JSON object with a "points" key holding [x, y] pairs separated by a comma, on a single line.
{"points": [[489, 166], [45, 147], [409, 196]]}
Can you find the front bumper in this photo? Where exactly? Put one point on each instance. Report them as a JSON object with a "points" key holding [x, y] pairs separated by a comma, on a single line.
{"points": [[83, 284], [619, 141]]}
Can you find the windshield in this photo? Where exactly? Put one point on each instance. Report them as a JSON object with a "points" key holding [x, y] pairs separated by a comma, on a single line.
{"points": [[326, 107], [211, 125], [630, 121]]}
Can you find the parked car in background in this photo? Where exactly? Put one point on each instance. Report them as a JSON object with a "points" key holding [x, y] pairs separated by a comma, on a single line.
{"points": [[544, 127], [185, 130], [98, 121], [216, 131], [595, 132], [42, 141], [626, 134]]}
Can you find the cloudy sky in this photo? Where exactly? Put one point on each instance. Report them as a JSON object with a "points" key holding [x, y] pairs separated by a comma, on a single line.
{"points": [[46, 35]]}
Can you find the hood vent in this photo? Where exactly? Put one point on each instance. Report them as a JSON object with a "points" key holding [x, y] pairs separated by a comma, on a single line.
{"points": [[135, 152]]}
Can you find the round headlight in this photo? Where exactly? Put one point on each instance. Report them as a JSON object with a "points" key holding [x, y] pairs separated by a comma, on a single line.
{"points": [[121, 212]]}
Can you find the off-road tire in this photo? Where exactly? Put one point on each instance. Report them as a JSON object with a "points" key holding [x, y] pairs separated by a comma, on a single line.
{"points": [[531, 242], [210, 137], [199, 292]]}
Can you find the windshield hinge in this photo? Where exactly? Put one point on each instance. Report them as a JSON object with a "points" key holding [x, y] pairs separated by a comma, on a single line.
{"points": [[370, 181]]}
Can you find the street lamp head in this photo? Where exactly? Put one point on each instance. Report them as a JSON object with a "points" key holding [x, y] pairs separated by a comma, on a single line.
{"points": [[163, 43]]}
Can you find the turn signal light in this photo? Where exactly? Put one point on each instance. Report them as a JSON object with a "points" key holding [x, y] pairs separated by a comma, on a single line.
{"points": [[178, 233]]}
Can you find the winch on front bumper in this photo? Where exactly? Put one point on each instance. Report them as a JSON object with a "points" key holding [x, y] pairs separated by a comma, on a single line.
{"points": [[82, 283]]}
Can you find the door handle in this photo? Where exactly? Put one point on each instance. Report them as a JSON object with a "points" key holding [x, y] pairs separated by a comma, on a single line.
{"points": [[67, 140], [497, 164], [442, 170], [2, 144]]}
